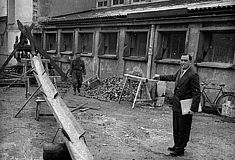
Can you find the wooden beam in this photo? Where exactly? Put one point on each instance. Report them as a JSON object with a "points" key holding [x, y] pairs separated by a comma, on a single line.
{"points": [[139, 78], [74, 131], [71, 129]]}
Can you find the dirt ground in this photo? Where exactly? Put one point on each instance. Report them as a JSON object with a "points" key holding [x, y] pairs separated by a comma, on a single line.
{"points": [[113, 131]]}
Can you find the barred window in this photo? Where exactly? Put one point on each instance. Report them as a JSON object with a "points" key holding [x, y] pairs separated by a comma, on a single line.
{"points": [[85, 42], [135, 44], [50, 41], [108, 43], [172, 44], [216, 46], [66, 43]]}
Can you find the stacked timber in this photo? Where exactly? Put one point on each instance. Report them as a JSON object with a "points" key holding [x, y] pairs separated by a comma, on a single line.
{"points": [[12, 75]]}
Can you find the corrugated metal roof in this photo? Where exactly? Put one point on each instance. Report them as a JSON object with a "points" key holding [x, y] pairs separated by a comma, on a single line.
{"points": [[120, 12]]}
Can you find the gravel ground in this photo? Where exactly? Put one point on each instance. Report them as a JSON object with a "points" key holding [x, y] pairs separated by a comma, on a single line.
{"points": [[113, 131]]}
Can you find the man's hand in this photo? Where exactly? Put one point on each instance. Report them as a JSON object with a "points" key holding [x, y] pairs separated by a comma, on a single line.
{"points": [[156, 76], [190, 112]]}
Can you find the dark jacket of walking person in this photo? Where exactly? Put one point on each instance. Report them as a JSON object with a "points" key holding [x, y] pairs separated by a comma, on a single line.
{"points": [[77, 71], [187, 86]]}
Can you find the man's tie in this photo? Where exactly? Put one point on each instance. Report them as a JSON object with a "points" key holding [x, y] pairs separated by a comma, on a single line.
{"points": [[182, 73]]}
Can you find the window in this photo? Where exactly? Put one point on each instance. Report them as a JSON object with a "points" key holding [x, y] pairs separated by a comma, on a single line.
{"points": [[85, 42], [139, 1], [66, 42], [172, 45], [102, 3], [135, 44], [143, 1], [50, 41], [108, 43], [38, 38], [216, 46], [118, 2]]}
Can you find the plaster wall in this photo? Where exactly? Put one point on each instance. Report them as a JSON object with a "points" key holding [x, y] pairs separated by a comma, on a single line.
{"points": [[10, 44], [57, 7], [24, 11], [218, 76], [18, 10], [3, 8], [109, 68], [89, 65], [136, 67], [3, 42], [166, 69]]}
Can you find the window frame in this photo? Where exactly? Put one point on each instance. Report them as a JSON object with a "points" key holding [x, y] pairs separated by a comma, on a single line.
{"points": [[202, 63], [39, 35], [137, 58], [109, 56], [67, 52], [108, 3], [140, 1], [114, 5], [159, 45], [51, 51], [88, 54]]}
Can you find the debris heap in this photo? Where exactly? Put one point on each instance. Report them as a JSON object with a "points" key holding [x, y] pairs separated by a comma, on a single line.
{"points": [[110, 90]]}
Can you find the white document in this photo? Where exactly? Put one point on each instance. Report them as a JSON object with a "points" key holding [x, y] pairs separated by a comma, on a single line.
{"points": [[186, 105]]}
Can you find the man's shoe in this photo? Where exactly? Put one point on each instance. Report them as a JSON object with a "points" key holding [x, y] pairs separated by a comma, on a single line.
{"points": [[74, 93], [171, 148], [176, 154]]}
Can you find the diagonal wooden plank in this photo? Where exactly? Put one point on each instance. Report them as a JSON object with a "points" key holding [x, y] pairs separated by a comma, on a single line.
{"points": [[74, 131]]}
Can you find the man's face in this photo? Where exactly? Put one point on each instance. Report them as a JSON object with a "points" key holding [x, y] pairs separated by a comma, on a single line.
{"points": [[185, 62]]}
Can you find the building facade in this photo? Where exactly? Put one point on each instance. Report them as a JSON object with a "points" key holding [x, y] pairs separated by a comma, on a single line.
{"points": [[28, 12], [144, 37]]}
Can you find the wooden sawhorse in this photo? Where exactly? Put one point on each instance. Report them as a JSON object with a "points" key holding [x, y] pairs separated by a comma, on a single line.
{"points": [[142, 83], [39, 101]]}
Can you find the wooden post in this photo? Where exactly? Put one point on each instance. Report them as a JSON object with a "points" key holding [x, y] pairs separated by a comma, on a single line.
{"points": [[150, 52], [137, 93]]}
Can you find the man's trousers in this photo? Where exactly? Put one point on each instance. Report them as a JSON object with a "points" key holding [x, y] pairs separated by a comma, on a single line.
{"points": [[181, 130]]}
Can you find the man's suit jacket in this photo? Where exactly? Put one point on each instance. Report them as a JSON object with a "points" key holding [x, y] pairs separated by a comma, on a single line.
{"points": [[186, 87]]}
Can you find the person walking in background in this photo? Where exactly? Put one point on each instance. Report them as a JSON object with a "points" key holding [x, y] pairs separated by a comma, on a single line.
{"points": [[187, 86], [77, 70]]}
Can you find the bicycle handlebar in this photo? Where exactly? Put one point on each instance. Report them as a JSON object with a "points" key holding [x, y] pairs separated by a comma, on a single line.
{"points": [[203, 83]]}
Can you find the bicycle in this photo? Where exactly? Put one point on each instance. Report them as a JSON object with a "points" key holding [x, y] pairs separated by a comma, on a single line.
{"points": [[222, 98]]}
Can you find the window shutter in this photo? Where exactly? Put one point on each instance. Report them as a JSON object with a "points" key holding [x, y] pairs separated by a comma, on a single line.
{"points": [[126, 52]]}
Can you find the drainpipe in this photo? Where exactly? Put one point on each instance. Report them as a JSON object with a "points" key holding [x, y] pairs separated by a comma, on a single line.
{"points": [[150, 51]]}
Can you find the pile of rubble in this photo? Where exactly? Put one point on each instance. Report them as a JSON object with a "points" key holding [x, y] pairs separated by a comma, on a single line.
{"points": [[110, 90]]}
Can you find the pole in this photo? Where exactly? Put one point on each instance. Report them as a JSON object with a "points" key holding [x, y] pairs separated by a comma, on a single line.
{"points": [[150, 51]]}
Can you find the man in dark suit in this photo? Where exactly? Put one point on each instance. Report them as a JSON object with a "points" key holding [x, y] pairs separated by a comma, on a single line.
{"points": [[186, 87]]}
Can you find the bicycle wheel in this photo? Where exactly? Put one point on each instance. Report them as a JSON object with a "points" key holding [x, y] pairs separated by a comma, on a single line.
{"points": [[202, 101], [223, 100]]}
